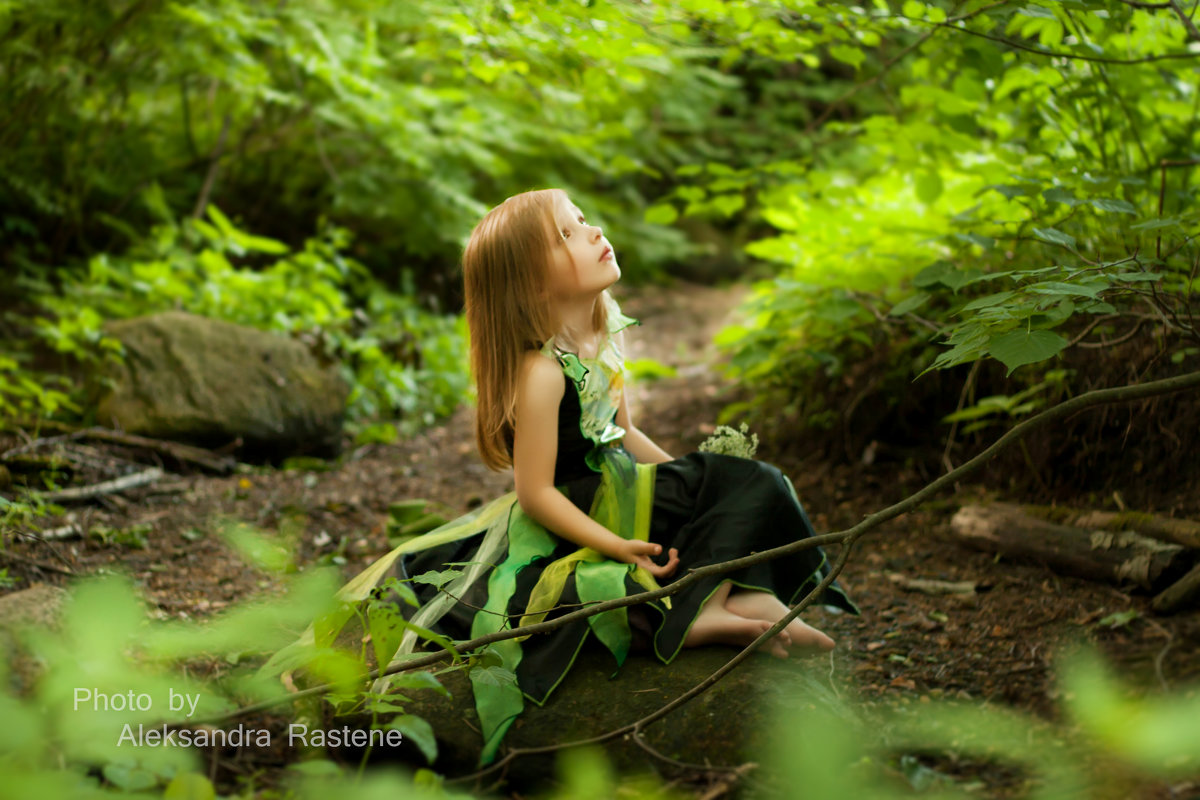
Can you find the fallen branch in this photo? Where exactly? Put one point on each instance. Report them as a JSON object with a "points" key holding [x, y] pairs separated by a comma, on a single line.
{"points": [[65, 532], [183, 453], [932, 587], [107, 487], [846, 538], [15, 558], [1179, 593]]}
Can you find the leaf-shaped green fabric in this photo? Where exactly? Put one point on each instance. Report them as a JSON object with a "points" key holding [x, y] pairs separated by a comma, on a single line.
{"points": [[499, 704], [573, 368]]}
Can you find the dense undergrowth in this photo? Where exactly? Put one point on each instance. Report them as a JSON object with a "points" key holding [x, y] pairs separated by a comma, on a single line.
{"points": [[968, 211]]}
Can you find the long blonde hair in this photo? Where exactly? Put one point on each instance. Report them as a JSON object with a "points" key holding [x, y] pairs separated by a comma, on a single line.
{"points": [[506, 285]]}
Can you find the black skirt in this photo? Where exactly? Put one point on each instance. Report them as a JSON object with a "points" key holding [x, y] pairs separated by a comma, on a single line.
{"points": [[710, 507]]}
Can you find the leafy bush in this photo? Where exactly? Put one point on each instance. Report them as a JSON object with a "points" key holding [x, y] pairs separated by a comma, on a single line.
{"points": [[975, 206], [399, 360]]}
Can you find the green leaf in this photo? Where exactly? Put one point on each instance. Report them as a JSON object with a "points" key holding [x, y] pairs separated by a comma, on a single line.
{"points": [[1070, 289], [728, 204], [848, 54], [985, 242], [648, 368], [929, 187], [437, 578], [1017, 348], [419, 732], [1060, 195], [1119, 619], [189, 786], [130, 778], [493, 676], [933, 274], [1055, 237], [420, 680], [1136, 277], [663, 214], [1155, 224], [988, 301], [909, 304], [387, 629], [403, 512], [1112, 204]]}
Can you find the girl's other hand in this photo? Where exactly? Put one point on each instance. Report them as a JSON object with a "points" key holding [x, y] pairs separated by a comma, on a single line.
{"points": [[635, 551]]}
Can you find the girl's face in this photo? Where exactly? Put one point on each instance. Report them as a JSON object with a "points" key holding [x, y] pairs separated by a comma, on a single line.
{"points": [[583, 262]]}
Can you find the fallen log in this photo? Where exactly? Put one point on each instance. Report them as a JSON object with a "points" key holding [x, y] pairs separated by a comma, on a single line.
{"points": [[1178, 594], [1183, 532], [1122, 558]]}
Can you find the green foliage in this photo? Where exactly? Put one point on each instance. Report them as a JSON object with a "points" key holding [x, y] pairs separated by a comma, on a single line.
{"points": [[1006, 408], [75, 730], [406, 121], [1000, 199], [835, 750], [399, 360]]}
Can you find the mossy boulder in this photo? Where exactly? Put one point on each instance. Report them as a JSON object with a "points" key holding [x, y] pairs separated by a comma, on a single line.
{"points": [[729, 724], [207, 382]]}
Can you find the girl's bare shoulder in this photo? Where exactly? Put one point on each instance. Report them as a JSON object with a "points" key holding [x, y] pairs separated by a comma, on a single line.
{"points": [[541, 375]]}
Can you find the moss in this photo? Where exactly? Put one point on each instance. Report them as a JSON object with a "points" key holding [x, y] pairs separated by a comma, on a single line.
{"points": [[1056, 514]]}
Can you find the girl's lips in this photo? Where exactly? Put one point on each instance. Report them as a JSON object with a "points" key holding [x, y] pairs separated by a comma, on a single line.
{"points": [[607, 252]]}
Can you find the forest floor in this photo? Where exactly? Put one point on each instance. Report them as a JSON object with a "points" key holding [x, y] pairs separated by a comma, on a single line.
{"points": [[998, 645]]}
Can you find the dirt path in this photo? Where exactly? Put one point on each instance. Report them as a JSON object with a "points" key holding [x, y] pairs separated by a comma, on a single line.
{"points": [[999, 644]]}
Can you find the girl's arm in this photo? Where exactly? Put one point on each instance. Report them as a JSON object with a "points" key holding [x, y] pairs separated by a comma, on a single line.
{"points": [[535, 447], [642, 446]]}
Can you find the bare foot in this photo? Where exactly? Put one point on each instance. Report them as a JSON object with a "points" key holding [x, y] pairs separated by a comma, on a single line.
{"points": [[758, 605], [715, 625]]}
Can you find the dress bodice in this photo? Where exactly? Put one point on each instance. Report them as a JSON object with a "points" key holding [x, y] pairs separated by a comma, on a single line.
{"points": [[588, 411]]}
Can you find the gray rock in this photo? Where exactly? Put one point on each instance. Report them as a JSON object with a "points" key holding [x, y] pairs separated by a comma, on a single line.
{"points": [[208, 382], [39, 606]]}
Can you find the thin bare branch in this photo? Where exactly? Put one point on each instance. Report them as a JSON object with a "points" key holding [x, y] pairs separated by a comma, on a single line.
{"points": [[1073, 56], [846, 538]]}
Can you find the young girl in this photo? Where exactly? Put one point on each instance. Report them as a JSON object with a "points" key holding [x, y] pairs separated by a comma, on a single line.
{"points": [[597, 503]]}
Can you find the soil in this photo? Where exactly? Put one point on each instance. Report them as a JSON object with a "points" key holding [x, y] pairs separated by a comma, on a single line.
{"points": [[998, 645]]}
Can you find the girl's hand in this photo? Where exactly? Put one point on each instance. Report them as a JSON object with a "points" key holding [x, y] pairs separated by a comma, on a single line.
{"points": [[635, 551]]}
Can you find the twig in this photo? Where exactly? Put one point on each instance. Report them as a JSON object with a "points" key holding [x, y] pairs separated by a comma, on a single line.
{"points": [[1185, 19], [962, 399], [106, 487], [1162, 193], [636, 736], [1073, 56], [184, 453], [214, 163], [1118, 340], [8, 555]]}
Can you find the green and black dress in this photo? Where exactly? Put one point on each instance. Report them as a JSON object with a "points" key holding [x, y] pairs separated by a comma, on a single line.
{"points": [[710, 507]]}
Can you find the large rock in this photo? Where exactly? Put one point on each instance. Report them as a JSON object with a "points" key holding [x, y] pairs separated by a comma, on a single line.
{"points": [[207, 382], [727, 725], [39, 606]]}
